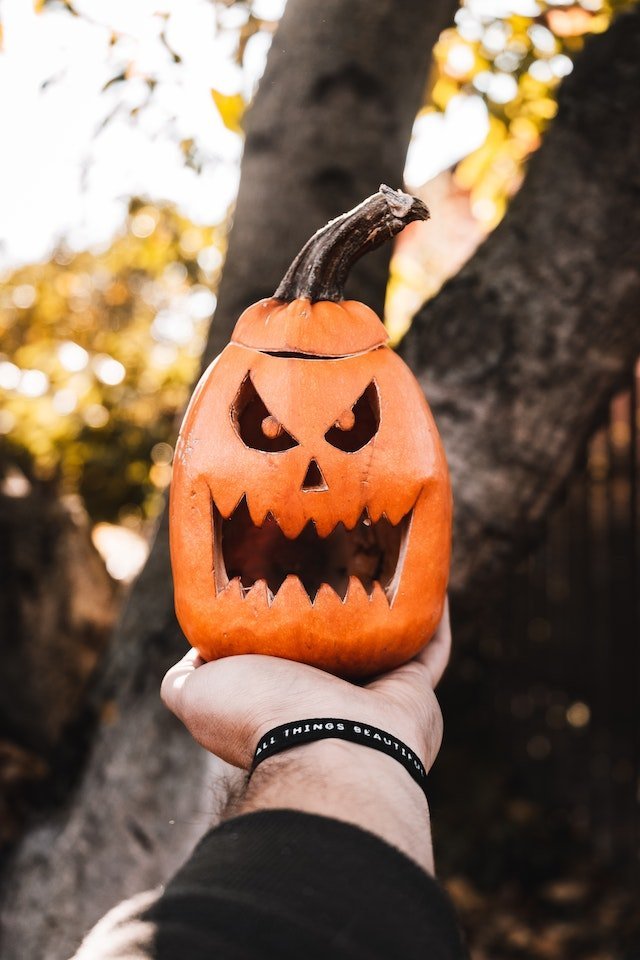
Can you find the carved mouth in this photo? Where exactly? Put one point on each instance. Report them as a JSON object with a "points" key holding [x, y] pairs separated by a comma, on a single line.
{"points": [[372, 552]]}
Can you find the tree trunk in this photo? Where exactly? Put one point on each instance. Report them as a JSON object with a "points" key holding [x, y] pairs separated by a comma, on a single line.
{"points": [[332, 120], [521, 351], [56, 610]]}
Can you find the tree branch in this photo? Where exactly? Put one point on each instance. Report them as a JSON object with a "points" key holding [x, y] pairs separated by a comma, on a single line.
{"points": [[521, 351]]}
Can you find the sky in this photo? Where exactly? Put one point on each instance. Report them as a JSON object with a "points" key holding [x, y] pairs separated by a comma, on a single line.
{"points": [[77, 146], [73, 152]]}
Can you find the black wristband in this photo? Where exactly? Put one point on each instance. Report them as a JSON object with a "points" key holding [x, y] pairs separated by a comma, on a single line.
{"points": [[307, 731]]}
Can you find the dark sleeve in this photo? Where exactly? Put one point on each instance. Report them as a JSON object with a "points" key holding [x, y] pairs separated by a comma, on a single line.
{"points": [[289, 885]]}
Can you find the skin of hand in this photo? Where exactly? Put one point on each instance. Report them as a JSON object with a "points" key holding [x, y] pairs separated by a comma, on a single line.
{"points": [[228, 705]]}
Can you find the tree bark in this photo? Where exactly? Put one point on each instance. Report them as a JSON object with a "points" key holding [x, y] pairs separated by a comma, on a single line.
{"points": [[332, 120], [57, 609], [520, 352]]}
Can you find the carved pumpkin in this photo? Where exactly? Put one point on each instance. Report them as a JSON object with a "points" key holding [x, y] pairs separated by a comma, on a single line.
{"points": [[310, 502]]}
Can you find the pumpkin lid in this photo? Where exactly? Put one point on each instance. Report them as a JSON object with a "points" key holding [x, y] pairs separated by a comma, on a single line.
{"points": [[322, 329], [308, 313]]}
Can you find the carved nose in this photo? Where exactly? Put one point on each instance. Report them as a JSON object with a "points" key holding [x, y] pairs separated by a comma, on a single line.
{"points": [[313, 478]]}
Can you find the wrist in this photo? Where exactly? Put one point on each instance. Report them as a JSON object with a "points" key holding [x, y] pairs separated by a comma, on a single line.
{"points": [[349, 782], [297, 733], [402, 741]]}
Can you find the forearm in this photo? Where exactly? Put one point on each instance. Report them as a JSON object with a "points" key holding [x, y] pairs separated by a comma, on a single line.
{"points": [[347, 782], [325, 852]]}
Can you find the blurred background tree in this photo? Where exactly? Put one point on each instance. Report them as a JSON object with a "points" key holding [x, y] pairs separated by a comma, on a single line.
{"points": [[100, 345]]}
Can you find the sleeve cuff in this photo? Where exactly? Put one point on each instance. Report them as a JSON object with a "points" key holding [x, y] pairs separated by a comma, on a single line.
{"points": [[285, 883]]}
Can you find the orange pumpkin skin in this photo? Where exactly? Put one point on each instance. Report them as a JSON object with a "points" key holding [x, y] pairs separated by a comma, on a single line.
{"points": [[240, 499], [322, 329]]}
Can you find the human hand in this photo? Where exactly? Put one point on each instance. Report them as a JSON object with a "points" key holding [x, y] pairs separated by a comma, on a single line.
{"points": [[229, 704]]}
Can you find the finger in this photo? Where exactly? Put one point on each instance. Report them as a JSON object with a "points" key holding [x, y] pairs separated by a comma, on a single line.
{"points": [[176, 677], [435, 655]]}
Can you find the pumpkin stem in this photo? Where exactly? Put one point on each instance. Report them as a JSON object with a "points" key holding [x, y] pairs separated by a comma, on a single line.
{"points": [[320, 270]]}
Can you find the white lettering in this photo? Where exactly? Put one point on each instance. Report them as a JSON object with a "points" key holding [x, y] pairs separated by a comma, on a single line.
{"points": [[318, 726], [329, 726], [340, 726], [296, 730]]}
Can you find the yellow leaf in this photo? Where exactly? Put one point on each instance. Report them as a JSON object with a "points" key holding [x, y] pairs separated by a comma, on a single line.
{"points": [[443, 91], [545, 107], [231, 107], [470, 170]]}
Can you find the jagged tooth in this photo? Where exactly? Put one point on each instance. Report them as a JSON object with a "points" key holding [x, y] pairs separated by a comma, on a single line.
{"points": [[351, 514], [351, 522], [395, 514], [374, 512], [327, 600], [404, 508], [356, 593], [313, 593], [325, 526], [226, 504], [393, 517], [378, 596], [233, 591], [292, 526], [257, 594], [291, 594], [257, 513]]}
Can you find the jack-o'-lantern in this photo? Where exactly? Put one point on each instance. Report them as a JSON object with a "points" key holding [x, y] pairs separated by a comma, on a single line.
{"points": [[310, 501]]}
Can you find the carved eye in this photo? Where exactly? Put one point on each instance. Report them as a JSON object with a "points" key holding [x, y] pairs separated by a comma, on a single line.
{"points": [[356, 427], [256, 427]]}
